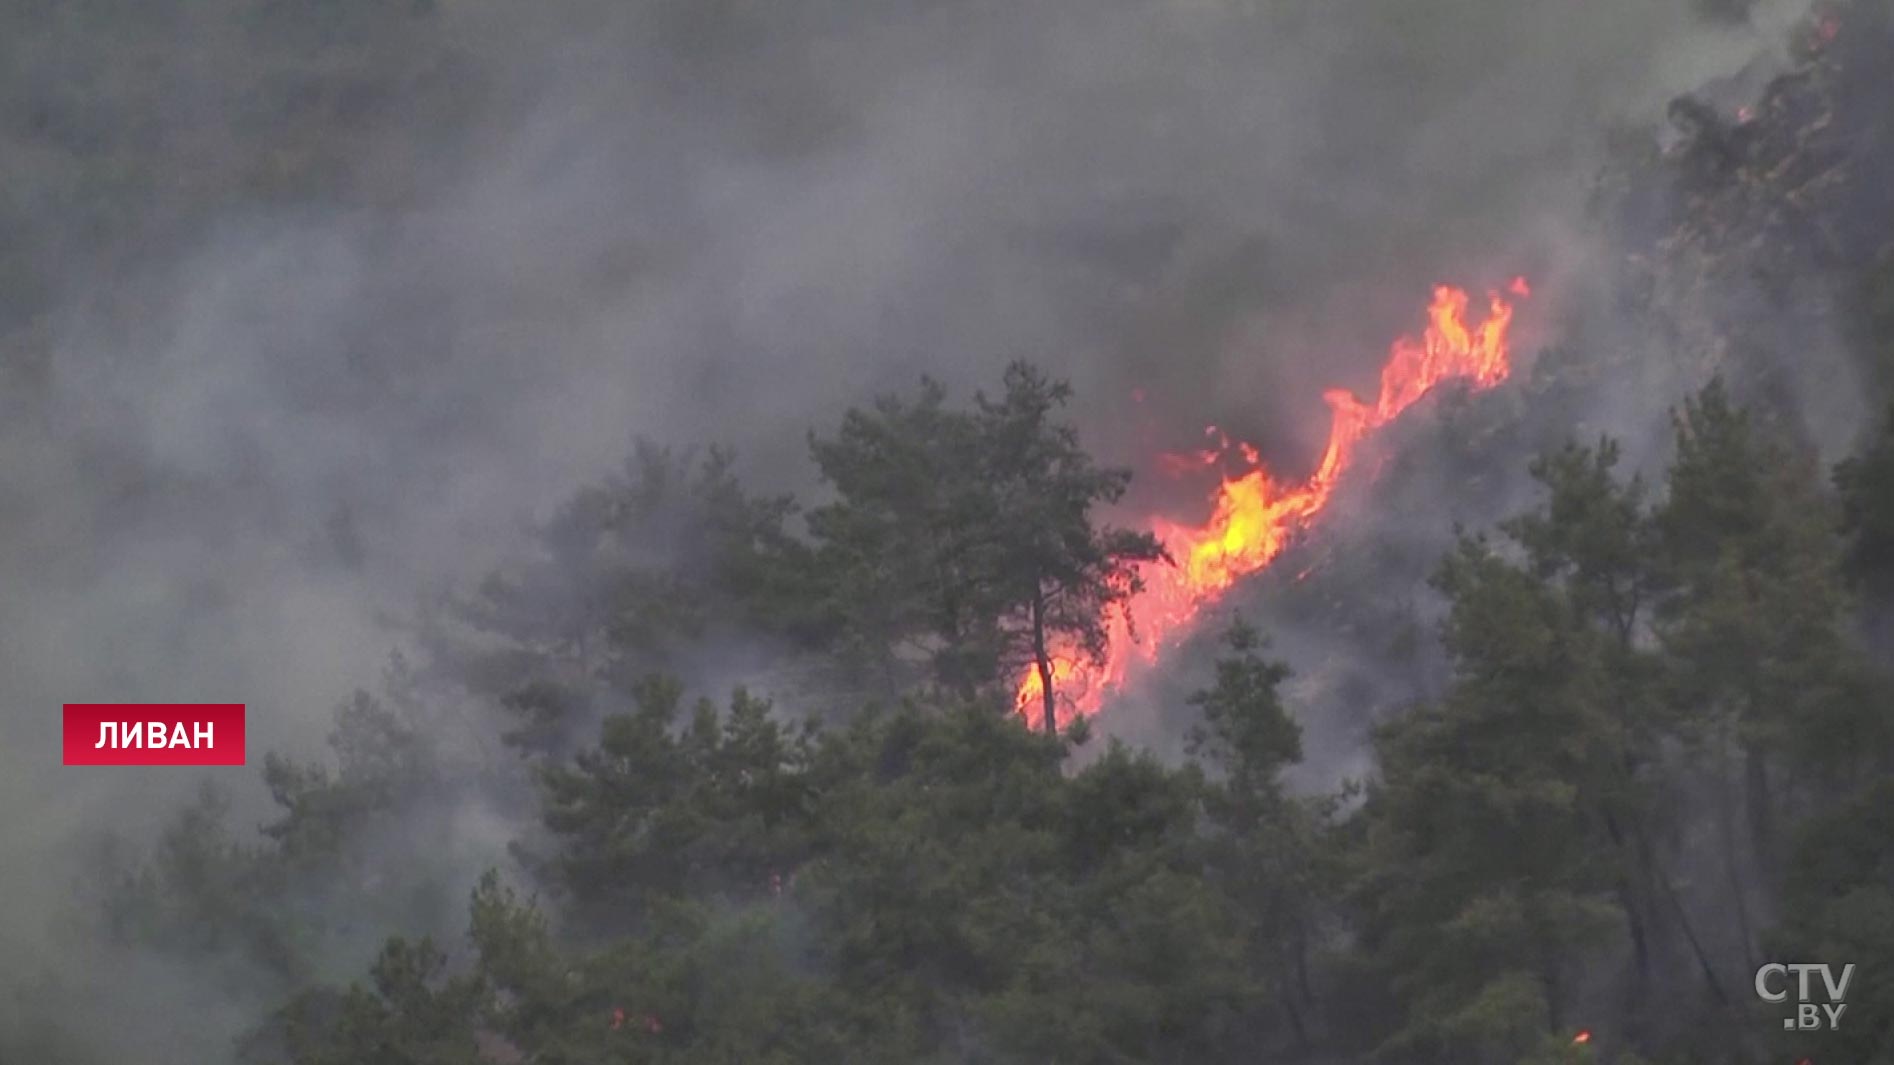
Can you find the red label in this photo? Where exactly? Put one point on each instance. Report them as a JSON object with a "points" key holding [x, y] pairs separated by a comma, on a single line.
{"points": [[154, 733]]}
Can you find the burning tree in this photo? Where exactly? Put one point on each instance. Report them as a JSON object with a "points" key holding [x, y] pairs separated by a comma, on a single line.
{"points": [[1256, 513], [966, 538], [1060, 576]]}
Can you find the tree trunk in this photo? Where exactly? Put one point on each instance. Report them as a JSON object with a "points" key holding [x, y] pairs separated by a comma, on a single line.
{"points": [[1696, 945], [1634, 900], [1732, 862], [1554, 1004], [1043, 659], [1302, 965], [1295, 993]]}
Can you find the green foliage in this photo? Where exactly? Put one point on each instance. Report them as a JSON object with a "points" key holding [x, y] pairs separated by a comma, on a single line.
{"points": [[1866, 486], [1612, 652], [203, 895], [711, 809], [1754, 623], [932, 883], [905, 549], [965, 539], [628, 575], [1057, 576], [1485, 880], [920, 885], [1271, 854], [1593, 536], [272, 906], [379, 760], [412, 1013], [1246, 731], [928, 881], [1838, 906]]}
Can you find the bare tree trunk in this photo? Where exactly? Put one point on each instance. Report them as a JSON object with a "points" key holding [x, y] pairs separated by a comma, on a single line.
{"points": [[1554, 1004], [1043, 659], [1302, 964], [1696, 945], [1296, 996], [1633, 898], [1732, 864]]}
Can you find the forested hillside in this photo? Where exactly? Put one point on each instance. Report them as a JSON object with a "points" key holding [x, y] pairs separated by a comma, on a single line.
{"points": [[1663, 756], [712, 769]]}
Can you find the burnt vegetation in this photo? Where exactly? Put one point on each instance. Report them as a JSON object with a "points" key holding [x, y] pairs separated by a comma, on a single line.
{"points": [[1663, 751]]}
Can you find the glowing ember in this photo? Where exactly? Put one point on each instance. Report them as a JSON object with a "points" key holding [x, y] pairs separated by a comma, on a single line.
{"points": [[1255, 516], [651, 1022], [1582, 1037]]}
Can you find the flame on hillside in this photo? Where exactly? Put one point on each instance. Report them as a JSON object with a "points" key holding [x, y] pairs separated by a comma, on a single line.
{"points": [[1255, 515]]}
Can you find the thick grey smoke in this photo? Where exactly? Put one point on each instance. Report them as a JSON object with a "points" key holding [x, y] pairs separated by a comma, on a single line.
{"points": [[244, 438]]}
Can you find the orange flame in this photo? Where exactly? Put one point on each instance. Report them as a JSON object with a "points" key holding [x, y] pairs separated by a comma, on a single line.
{"points": [[1255, 516]]}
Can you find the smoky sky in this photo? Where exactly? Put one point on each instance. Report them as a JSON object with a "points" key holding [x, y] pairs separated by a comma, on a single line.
{"points": [[248, 432]]}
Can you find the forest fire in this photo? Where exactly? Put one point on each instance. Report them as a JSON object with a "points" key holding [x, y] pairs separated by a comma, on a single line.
{"points": [[1255, 515]]}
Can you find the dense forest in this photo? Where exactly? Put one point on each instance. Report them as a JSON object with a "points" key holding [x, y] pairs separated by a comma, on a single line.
{"points": [[750, 771]]}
